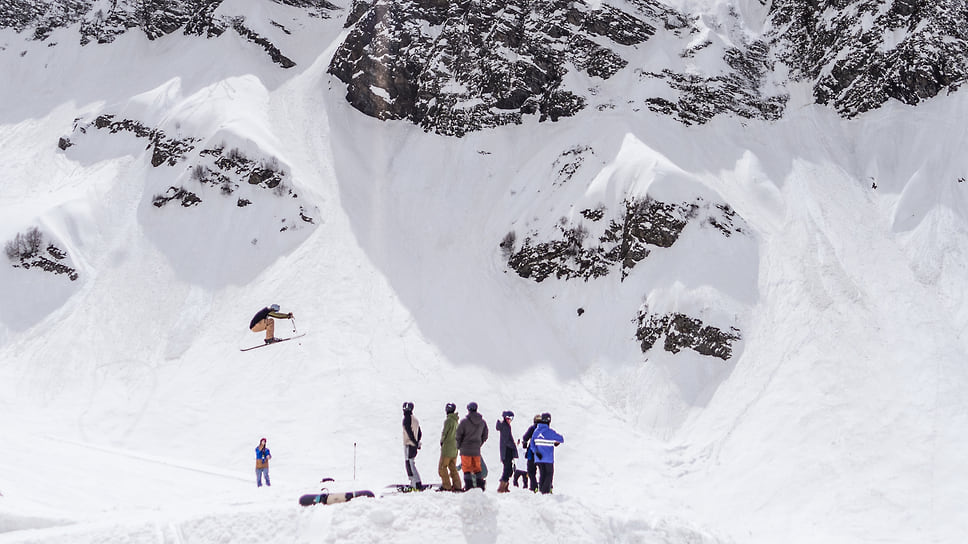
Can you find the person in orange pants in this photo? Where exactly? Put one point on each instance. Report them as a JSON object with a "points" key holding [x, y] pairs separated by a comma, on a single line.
{"points": [[471, 435]]}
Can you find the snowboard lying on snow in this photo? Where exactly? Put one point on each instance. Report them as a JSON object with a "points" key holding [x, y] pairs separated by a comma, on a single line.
{"points": [[333, 498], [327, 497]]}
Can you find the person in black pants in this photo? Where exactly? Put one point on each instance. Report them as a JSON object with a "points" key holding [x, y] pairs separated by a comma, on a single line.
{"points": [[544, 440], [509, 450], [529, 455]]}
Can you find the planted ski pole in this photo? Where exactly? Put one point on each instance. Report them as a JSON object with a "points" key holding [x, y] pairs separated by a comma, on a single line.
{"points": [[354, 461], [293, 319]]}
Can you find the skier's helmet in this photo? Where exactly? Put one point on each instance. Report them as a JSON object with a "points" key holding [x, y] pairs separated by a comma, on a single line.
{"points": [[407, 407], [450, 408], [546, 418], [274, 307], [507, 414], [472, 406]]}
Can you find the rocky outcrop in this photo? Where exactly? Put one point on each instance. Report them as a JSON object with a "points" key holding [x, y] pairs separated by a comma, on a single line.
{"points": [[165, 150], [860, 54], [27, 250], [738, 91], [626, 240], [457, 66], [683, 332], [454, 67], [99, 23], [217, 167]]}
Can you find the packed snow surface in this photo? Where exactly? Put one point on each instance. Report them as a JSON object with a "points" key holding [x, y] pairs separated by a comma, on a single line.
{"points": [[130, 415]]}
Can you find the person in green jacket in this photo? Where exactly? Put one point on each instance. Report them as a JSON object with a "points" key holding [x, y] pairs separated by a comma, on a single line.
{"points": [[447, 467]]}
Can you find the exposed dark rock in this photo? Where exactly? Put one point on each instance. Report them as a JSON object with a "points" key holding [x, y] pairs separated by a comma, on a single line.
{"points": [[684, 332], [273, 51], [457, 66], [165, 150], [24, 251], [703, 97], [626, 241], [155, 18], [304, 217], [860, 54], [186, 197]]}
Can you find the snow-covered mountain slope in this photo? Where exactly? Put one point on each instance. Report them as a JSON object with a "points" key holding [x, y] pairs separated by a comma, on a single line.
{"points": [[748, 329]]}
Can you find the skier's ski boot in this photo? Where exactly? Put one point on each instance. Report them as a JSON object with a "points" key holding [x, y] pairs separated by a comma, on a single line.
{"points": [[272, 340]]}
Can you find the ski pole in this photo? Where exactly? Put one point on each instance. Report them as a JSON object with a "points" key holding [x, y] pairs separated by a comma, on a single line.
{"points": [[293, 319], [354, 461]]}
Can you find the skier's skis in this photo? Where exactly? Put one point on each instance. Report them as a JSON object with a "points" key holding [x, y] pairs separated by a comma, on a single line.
{"points": [[407, 488], [276, 342]]}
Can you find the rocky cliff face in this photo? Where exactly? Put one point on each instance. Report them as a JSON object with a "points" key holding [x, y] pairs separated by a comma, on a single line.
{"points": [[457, 66], [861, 54], [155, 18]]}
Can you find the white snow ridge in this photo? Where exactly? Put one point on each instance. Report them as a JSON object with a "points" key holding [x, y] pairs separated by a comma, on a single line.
{"points": [[748, 324]]}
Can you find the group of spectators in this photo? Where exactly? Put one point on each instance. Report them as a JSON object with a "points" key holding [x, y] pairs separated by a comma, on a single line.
{"points": [[463, 439]]}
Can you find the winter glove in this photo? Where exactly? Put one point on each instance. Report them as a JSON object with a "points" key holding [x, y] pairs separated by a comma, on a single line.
{"points": [[557, 444], [290, 315], [538, 454]]}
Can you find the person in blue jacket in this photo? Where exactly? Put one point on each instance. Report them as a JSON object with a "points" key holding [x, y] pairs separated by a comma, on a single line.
{"points": [[543, 444], [262, 457]]}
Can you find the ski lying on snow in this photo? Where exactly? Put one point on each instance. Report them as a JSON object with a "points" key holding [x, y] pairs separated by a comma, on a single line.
{"points": [[276, 342], [407, 488]]}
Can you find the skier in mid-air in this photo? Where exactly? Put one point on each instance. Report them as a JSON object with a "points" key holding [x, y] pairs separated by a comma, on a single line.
{"points": [[262, 321]]}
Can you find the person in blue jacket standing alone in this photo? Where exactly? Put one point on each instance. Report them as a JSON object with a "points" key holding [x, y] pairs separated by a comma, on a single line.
{"points": [[262, 457], [543, 444]]}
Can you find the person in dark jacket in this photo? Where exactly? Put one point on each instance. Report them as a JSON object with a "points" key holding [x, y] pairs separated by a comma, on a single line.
{"points": [[543, 444], [471, 435], [262, 321], [447, 466], [529, 455], [262, 457], [509, 451], [411, 443]]}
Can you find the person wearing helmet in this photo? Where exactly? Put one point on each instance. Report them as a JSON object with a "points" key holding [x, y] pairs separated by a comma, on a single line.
{"points": [[262, 321], [471, 435], [262, 457], [447, 466], [509, 451], [411, 443], [543, 444], [529, 455]]}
